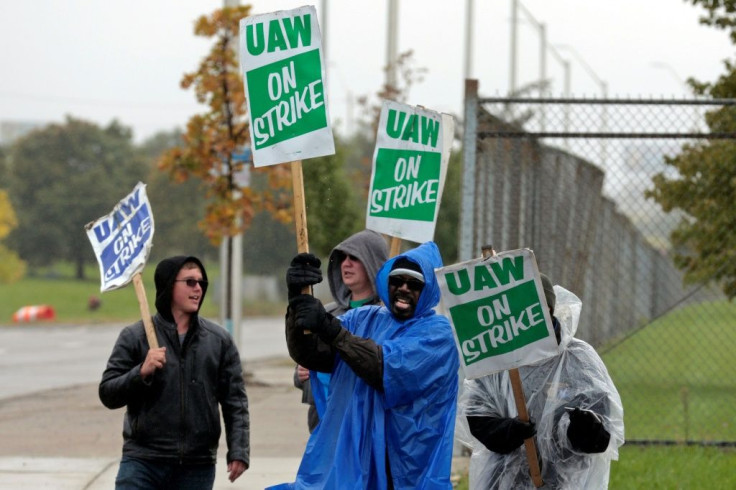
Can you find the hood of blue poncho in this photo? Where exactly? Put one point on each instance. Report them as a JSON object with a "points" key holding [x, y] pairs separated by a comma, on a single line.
{"points": [[428, 257]]}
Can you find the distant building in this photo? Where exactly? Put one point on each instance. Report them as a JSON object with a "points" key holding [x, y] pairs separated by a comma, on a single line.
{"points": [[12, 130]]}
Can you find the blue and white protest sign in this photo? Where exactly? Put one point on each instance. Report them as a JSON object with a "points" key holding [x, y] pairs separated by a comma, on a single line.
{"points": [[122, 239]]}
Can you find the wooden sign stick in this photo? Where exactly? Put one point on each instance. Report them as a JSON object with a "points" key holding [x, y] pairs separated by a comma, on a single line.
{"points": [[395, 247], [531, 448], [300, 212], [300, 215], [140, 292], [518, 389]]}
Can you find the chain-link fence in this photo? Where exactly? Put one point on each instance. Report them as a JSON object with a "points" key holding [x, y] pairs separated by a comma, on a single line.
{"points": [[567, 178]]}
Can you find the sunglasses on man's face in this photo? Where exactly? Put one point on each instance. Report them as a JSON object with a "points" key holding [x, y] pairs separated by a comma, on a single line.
{"points": [[411, 283], [193, 282]]}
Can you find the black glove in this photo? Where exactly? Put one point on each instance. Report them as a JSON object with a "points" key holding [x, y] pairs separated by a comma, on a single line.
{"points": [[303, 272], [309, 314], [586, 432], [500, 434]]}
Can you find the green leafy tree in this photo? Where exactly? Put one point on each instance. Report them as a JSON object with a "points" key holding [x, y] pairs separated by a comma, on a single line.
{"points": [[3, 167], [332, 210], [446, 233], [12, 268], [63, 176], [704, 187], [268, 245]]}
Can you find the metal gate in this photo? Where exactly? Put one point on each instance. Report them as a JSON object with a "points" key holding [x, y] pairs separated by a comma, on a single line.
{"points": [[567, 178]]}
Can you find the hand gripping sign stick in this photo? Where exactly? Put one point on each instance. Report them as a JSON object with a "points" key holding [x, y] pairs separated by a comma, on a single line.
{"points": [[531, 448]]}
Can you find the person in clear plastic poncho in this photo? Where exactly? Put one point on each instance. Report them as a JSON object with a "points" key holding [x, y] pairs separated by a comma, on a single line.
{"points": [[574, 409]]}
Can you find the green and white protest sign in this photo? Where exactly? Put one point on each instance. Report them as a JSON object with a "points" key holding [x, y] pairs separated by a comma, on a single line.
{"points": [[409, 168], [498, 312], [284, 75]]}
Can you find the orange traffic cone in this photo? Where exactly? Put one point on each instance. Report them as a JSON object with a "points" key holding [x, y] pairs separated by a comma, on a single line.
{"points": [[33, 313]]}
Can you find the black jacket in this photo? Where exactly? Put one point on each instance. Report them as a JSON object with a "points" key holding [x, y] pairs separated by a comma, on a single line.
{"points": [[175, 416]]}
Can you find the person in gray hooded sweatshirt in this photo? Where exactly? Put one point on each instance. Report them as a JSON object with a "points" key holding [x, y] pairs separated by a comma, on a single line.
{"points": [[351, 274], [173, 394]]}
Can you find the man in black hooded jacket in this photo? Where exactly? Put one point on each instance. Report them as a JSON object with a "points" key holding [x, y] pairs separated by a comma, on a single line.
{"points": [[172, 427]]}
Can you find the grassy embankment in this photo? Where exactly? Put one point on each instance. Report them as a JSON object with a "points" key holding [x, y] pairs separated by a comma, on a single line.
{"points": [[69, 297]]}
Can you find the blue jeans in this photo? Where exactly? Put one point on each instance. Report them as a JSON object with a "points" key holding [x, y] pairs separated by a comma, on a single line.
{"points": [[139, 474]]}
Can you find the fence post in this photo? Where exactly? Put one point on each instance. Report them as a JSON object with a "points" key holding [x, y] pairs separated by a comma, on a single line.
{"points": [[467, 209]]}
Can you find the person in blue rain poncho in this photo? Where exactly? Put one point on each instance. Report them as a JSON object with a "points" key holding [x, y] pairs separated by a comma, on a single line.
{"points": [[575, 410], [390, 415]]}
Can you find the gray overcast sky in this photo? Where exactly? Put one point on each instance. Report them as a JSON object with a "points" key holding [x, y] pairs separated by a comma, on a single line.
{"points": [[99, 60]]}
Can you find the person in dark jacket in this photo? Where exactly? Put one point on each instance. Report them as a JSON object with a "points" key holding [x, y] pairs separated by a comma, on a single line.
{"points": [[173, 393], [351, 274]]}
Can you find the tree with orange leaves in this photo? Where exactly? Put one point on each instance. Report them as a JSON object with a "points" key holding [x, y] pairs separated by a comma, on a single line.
{"points": [[213, 138]]}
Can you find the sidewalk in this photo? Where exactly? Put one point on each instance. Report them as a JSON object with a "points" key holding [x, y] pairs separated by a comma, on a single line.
{"points": [[99, 473], [67, 440]]}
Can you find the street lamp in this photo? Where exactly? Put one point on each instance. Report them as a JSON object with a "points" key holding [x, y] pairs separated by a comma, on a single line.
{"points": [[668, 68], [604, 91], [566, 85], [516, 6], [687, 88], [586, 66]]}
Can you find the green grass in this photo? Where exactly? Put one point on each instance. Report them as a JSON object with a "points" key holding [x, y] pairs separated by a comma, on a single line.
{"points": [[674, 467], [668, 468], [677, 378], [69, 297]]}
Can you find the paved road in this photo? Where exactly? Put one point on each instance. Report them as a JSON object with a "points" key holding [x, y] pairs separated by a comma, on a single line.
{"points": [[56, 433], [61, 437], [38, 357]]}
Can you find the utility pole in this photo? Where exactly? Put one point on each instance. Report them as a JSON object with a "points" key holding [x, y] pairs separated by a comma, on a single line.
{"points": [[468, 39], [514, 28], [392, 51], [231, 266], [323, 29]]}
